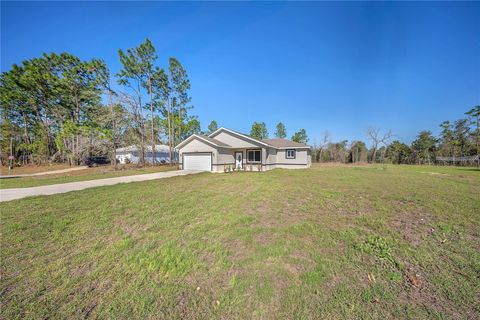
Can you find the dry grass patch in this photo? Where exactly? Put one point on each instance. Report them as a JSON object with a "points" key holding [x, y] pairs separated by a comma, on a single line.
{"points": [[32, 169]]}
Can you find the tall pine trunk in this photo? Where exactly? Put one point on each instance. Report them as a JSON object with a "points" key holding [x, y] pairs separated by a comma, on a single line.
{"points": [[142, 127], [180, 124], [76, 153], [114, 125], [173, 130], [170, 129], [26, 138], [151, 112]]}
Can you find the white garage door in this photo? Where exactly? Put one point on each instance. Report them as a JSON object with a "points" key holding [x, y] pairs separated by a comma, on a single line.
{"points": [[199, 161]]}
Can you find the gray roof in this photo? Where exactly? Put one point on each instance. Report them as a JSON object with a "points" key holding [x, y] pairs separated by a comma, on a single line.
{"points": [[214, 141], [284, 143], [238, 133], [277, 143]]}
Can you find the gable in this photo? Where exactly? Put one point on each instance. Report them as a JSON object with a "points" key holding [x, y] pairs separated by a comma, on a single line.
{"points": [[197, 145], [236, 140]]}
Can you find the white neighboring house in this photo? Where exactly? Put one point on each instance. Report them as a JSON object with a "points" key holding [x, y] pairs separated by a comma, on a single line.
{"points": [[131, 154]]}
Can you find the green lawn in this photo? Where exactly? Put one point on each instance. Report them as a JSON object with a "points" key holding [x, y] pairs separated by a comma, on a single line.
{"points": [[80, 175], [28, 169], [327, 242]]}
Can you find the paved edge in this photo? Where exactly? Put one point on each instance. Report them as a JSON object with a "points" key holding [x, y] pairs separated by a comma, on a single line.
{"points": [[19, 193]]}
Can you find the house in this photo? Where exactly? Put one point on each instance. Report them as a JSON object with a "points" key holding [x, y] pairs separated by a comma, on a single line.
{"points": [[227, 148], [131, 154]]}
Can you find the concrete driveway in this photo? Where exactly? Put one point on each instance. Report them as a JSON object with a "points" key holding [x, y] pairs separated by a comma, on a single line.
{"points": [[18, 193]]}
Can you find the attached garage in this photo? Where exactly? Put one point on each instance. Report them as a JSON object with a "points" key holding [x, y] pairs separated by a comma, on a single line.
{"points": [[224, 149], [197, 161]]}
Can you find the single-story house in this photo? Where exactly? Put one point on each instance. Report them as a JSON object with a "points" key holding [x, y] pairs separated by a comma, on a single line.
{"points": [[131, 154], [227, 148]]}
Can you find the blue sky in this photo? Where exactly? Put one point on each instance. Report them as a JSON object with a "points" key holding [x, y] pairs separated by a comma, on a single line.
{"points": [[340, 67]]}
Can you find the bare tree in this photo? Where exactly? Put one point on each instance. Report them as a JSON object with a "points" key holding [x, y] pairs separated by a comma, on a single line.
{"points": [[323, 143], [131, 103], [110, 93], [378, 139]]}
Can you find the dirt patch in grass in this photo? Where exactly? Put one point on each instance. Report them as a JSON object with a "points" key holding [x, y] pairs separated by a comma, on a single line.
{"points": [[181, 306], [413, 225], [294, 269], [419, 292], [132, 229], [263, 238], [278, 214], [238, 250], [83, 270]]}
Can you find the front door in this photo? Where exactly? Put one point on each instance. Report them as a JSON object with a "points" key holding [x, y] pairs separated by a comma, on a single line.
{"points": [[238, 160]]}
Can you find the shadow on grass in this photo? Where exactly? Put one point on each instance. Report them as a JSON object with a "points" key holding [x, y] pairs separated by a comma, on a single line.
{"points": [[470, 169]]}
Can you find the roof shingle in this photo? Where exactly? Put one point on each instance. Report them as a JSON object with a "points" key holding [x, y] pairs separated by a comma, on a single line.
{"points": [[214, 141], [284, 143]]}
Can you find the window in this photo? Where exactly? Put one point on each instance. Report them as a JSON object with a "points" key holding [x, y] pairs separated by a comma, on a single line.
{"points": [[254, 155], [290, 154]]}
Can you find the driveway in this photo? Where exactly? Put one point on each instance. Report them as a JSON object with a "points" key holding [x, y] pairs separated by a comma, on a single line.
{"points": [[18, 193]]}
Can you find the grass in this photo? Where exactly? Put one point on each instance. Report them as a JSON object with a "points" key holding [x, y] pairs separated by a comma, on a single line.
{"points": [[32, 169], [101, 172], [328, 242]]}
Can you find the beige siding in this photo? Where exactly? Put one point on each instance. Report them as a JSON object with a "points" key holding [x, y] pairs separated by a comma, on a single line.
{"points": [[225, 156], [301, 157], [271, 156], [197, 145], [301, 161], [234, 141]]}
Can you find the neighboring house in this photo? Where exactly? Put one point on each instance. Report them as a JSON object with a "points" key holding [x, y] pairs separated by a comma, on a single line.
{"points": [[131, 154], [227, 148]]}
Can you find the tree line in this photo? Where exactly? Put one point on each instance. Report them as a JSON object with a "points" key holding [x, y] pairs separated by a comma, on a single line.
{"points": [[460, 138], [259, 131], [60, 108]]}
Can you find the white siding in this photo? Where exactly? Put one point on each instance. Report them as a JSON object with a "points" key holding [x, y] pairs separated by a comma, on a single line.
{"points": [[134, 157]]}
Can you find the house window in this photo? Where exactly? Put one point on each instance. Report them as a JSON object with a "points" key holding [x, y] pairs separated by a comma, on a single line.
{"points": [[290, 154], [254, 155]]}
